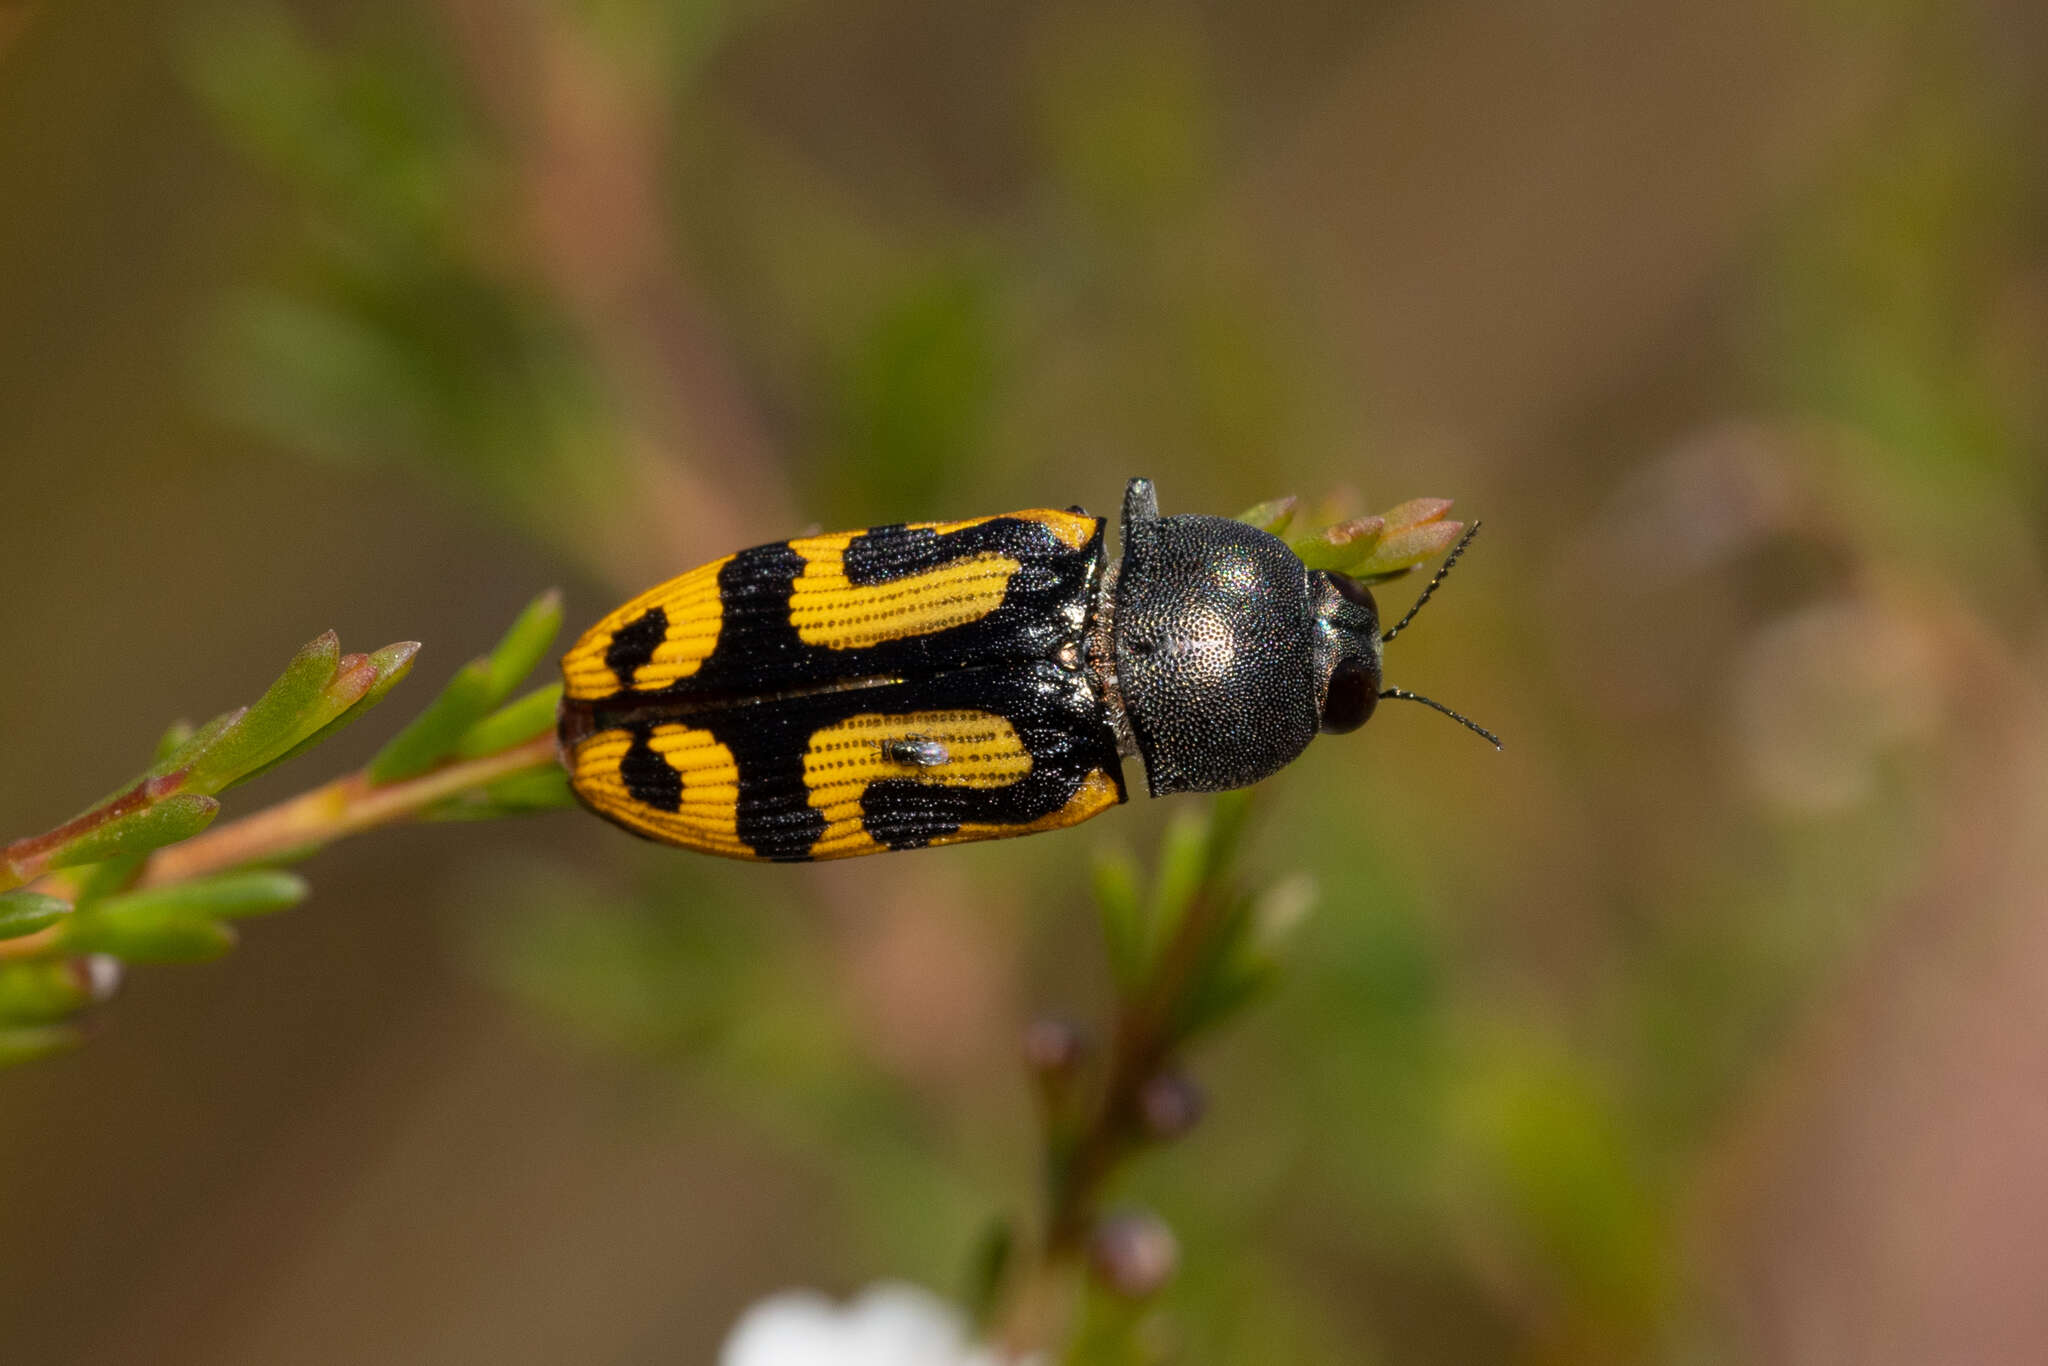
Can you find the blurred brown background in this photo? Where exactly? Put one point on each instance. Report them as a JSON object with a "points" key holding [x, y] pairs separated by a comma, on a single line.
{"points": [[1704, 1023]]}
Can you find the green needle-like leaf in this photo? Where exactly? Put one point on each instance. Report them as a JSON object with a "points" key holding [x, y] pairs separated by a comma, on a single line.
{"points": [[1183, 860], [391, 664], [1369, 549], [989, 1268], [26, 912], [1230, 815], [146, 933], [525, 644], [1213, 977], [1400, 551], [37, 1041], [542, 788], [513, 724], [539, 789], [1341, 546], [1415, 512], [106, 877], [351, 682], [174, 739], [475, 691], [228, 896], [177, 817], [274, 723], [1274, 515], [1115, 877], [196, 744], [359, 683], [435, 732], [43, 992], [1241, 956], [1221, 994]]}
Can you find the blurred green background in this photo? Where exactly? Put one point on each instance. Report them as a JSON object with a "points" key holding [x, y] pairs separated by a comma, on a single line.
{"points": [[1703, 1024]]}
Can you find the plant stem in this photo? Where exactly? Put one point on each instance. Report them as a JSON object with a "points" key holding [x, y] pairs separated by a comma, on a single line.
{"points": [[346, 806], [298, 825], [1143, 1045], [1043, 1297], [24, 859]]}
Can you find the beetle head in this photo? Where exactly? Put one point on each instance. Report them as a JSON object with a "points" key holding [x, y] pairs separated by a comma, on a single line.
{"points": [[1347, 651], [1230, 654]]}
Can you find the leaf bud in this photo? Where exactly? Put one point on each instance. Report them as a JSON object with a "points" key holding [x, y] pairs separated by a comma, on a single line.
{"points": [[1054, 1047], [1133, 1254], [1170, 1105]]}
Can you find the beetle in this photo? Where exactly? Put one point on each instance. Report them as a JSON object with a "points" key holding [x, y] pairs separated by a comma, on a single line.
{"points": [[928, 683]]}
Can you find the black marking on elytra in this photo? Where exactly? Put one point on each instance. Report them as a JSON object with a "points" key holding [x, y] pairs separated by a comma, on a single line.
{"points": [[1059, 725], [763, 692], [882, 554], [903, 813], [775, 817], [1053, 713], [759, 651], [648, 777], [633, 644], [756, 641]]}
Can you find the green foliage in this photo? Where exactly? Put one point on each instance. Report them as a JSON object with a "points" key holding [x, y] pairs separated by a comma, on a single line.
{"points": [[522, 793], [1199, 944], [1274, 515], [401, 340], [174, 800], [164, 820], [435, 733], [318, 692], [1124, 922], [1187, 952], [989, 1266], [359, 683], [918, 387], [146, 934], [179, 922], [294, 706], [225, 896], [24, 912], [58, 941], [31, 1043], [512, 724], [465, 705], [1369, 549], [42, 992]]}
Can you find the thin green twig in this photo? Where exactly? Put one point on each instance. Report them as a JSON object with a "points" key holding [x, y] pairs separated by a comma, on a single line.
{"points": [[298, 825]]}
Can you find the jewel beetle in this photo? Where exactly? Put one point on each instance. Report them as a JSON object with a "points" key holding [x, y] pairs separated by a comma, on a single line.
{"points": [[934, 682]]}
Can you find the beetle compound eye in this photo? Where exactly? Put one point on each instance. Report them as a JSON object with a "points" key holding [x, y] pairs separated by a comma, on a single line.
{"points": [[1354, 591], [1352, 695]]}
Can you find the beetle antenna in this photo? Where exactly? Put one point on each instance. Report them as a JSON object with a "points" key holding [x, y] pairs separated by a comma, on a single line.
{"points": [[1439, 577], [1403, 695]]}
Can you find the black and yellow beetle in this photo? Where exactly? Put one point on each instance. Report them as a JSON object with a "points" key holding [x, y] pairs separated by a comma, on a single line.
{"points": [[930, 683]]}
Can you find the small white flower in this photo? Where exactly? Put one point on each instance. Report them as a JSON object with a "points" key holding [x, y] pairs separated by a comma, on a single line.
{"points": [[889, 1324]]}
